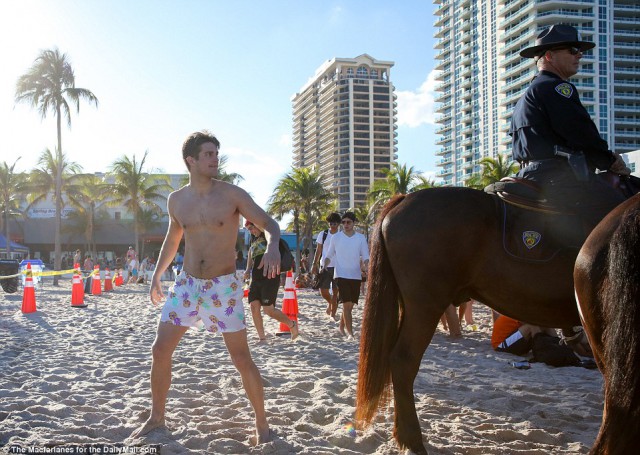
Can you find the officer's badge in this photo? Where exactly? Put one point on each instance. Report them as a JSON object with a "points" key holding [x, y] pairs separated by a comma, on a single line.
{"points": [[531, 238], [565, 89]]}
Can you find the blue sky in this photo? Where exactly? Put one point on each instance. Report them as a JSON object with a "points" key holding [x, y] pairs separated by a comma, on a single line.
{"points": [[163, 69]]}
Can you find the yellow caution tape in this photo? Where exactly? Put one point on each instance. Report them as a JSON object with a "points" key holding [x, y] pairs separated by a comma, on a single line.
{"points": [[47, 273], [50, 272]]}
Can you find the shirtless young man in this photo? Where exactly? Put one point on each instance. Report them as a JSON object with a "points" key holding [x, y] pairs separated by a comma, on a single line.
{"points": [[207, 212]]}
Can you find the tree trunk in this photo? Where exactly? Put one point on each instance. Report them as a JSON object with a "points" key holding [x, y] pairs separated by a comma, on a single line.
{"points": [[136, 233], [58, 199], [5, 217]]}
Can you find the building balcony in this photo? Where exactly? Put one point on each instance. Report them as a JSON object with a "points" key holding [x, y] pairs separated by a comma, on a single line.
{"points": [[444, 150], [443, 129], [621, 70], [626, 107], [444, 139], [513, 27]]}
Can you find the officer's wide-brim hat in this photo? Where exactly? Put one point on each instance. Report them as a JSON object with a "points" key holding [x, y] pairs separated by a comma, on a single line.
{"points": [[554, 36]]}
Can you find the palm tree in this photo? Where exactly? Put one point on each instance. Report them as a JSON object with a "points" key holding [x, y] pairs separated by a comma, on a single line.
{"points": [[136, 189], [90, 198], [400, 179], [147, 220], [366, 216], [223, 175], [229, 177], [301, 194], [60, 177], [493, 170], [12, 187], [50, 85]]}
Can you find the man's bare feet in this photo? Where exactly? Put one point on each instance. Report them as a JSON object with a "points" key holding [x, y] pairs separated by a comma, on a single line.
{"points": [[294, 330], [146, 427], [261, 439], [341, 331]]}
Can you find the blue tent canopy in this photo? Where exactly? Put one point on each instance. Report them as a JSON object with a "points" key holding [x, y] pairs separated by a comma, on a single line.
{"points": [[15, 247], [290, 239]]}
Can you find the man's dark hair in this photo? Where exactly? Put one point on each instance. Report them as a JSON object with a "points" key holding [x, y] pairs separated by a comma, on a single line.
{"points": [[350, 215], [191, 145], [333, 218]]}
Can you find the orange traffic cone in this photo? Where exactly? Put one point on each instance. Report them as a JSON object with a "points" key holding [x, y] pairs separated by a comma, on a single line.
{"points": [[95, 285], [290, 303], [29, 294], [117, 278], [108, 284], [77, 290]]}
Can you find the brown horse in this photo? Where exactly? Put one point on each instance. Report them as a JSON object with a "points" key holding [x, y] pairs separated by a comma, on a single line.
{"points": [[607, 281], [430, 249]]}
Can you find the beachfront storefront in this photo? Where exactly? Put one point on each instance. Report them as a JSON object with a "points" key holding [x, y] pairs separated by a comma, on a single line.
{"points": [[112, 239]]}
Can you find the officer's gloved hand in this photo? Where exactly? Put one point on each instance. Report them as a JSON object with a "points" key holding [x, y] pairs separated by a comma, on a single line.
{"points": [[619, 166]]}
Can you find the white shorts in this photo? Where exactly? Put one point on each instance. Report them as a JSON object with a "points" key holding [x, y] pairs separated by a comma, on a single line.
{"points": [[215, 303]]}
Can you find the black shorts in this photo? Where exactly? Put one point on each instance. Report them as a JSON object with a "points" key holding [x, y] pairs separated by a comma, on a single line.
{"points": [[266, 291], [326, 279], [349, 290]]}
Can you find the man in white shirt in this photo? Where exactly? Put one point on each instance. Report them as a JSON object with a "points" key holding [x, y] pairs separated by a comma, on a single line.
{"points": [[326, 283], [350, 254]]}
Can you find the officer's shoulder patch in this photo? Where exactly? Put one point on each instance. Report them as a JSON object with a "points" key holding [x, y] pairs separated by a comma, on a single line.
{"points": [[565, 89]]}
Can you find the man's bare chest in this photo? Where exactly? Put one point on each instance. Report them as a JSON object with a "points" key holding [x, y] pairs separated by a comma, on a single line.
{"points": [[207, 215]]}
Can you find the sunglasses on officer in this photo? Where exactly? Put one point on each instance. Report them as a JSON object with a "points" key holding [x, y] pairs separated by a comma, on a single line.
{"points": [[572, 49]]}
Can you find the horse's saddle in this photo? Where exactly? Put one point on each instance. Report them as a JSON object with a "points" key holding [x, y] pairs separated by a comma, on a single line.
{"points": [[522, 193], [536, 230], [533, 229]]}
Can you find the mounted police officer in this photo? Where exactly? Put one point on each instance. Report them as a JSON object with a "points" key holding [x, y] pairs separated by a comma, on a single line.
{"points": [[554, 138]]}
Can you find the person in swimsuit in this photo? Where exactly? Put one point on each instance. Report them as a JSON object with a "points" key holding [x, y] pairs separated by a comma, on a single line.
{"points": [[207, 212]]}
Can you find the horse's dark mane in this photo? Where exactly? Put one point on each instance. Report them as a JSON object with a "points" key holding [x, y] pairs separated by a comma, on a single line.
{"points": [[621, 309]]}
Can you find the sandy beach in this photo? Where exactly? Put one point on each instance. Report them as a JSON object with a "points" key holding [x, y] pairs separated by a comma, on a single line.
{"points": [[71, 376]]}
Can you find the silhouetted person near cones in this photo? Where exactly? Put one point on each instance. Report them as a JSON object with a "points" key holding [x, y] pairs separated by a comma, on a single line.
{"points": [[263, 291], [77, 257], [350, 254], [88, 264], [207, 211], [326, 283]]}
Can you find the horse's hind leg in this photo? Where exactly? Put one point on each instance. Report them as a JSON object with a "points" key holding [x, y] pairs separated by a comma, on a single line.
{"points": [[418, 325]]}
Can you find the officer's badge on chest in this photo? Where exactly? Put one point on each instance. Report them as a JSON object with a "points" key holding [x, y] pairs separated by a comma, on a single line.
{"points": [[565, 89]]}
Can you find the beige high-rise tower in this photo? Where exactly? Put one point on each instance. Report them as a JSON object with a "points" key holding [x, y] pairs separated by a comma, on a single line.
{"points": [[344, 122]]}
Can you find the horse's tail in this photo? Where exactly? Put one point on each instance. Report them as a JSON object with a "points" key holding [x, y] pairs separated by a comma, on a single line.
{"points": [[621, 311], [379, 327]]}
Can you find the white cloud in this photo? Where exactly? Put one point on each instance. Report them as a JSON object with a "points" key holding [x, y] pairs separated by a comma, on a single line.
{"points": [[285, 141], [417, 108], [261, 171], [336, 15], [432, 176]]}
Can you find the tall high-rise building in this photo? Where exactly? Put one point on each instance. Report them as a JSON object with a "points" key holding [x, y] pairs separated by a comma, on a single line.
{"points": [[344, 123], [483, 75]]}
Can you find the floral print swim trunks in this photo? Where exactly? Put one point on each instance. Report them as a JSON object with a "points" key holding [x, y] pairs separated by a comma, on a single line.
{"points": [[215, 303]]}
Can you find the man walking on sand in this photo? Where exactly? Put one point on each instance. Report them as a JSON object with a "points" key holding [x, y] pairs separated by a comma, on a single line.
{"points": [[350, 254], [326, 283], [207, 211]]}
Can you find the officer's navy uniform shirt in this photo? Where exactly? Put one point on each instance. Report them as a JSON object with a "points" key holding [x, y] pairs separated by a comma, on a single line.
{"points": [[550, 113]]}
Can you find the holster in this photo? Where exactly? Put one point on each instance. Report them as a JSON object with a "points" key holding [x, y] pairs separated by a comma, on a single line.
{"points": [[577, 162]]}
